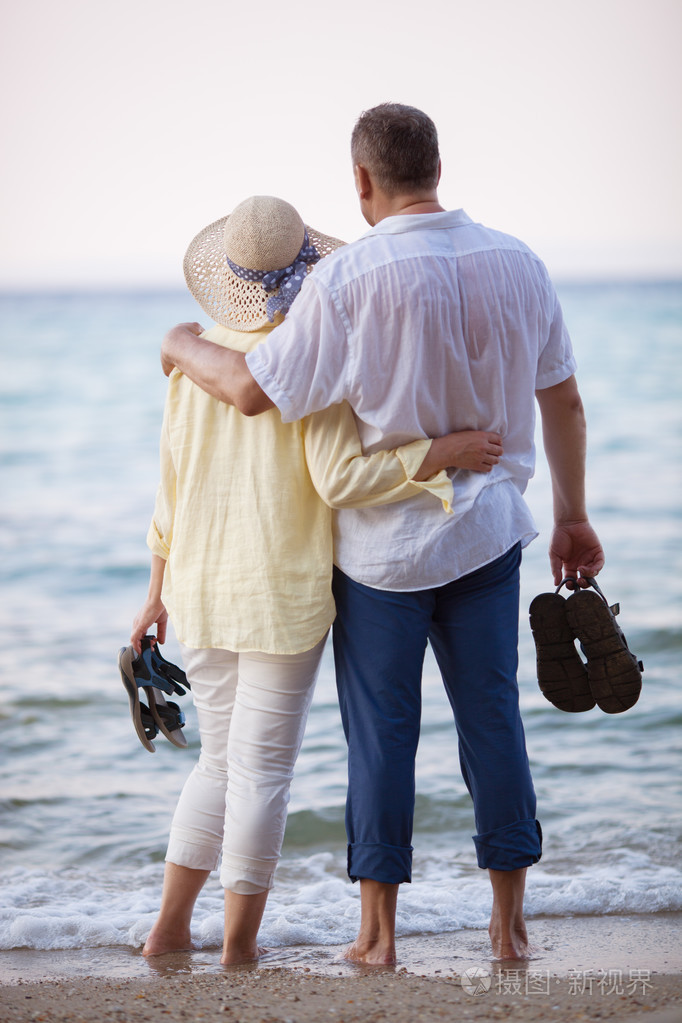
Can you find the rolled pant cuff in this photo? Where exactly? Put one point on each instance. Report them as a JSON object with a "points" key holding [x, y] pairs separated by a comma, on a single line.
{"points": [[389, 864], [190, 854], [510, 848], [245, 875]]}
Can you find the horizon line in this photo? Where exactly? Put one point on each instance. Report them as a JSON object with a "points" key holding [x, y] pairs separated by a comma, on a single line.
{"points": [[102, 288]]}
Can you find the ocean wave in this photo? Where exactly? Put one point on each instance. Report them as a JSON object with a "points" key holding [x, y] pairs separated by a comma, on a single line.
{"points": [[88, 809]]}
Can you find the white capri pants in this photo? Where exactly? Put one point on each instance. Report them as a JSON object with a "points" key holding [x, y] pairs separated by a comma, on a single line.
{"points": [[252, 710]]}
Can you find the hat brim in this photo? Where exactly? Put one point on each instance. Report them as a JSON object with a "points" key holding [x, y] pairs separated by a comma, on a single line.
{"points": [[226, 298]]}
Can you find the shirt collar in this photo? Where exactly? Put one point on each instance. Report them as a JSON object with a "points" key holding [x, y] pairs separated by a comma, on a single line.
{"points": [[403, 223]]}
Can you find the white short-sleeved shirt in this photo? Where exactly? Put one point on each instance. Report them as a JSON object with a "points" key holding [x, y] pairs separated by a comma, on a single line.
{"points": [[425, 325]]}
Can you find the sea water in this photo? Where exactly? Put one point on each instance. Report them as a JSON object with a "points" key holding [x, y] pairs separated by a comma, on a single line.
{"points": [[85, 810]]}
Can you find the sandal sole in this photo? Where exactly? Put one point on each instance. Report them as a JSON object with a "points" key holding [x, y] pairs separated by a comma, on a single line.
{"points": [[613, 670], [157, 705], [562, 675], [125, 666]]}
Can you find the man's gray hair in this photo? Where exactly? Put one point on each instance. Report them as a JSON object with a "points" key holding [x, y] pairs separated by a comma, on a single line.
{"points": [[398, 145]]}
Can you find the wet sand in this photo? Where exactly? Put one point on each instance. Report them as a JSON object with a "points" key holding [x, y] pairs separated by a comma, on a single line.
{"points": [[587, 968]]}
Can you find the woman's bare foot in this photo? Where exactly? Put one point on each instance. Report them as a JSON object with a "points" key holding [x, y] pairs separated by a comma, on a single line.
{"points": [[235, 956], [370, 954], [243, 915], [172, 929], [159, 942]]}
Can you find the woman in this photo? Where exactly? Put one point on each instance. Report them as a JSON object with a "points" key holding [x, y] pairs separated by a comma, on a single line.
{"points": [[241, 544]]}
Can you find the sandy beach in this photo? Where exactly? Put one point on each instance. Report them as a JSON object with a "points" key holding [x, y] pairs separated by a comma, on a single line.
{"points": [[289, 997], [587, 968]]}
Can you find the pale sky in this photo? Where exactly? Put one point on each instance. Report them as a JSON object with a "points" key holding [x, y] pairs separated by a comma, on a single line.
{"points": [[128, 126]]}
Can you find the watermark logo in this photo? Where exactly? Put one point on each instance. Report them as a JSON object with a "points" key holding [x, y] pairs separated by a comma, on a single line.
{"points": [[476, 981], [608, 982]]}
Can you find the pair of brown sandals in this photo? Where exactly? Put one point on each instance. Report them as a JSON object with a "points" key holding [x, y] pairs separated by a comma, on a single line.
{"points": [[610, 677]]}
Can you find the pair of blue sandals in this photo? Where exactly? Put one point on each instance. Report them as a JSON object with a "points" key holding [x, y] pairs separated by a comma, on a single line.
{"points": [[151, 672], [609, 676]]}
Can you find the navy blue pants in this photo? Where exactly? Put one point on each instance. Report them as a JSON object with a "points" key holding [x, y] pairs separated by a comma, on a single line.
{"points": [[380, 638]]}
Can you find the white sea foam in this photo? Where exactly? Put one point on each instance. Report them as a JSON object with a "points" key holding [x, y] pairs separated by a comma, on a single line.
{"points": [[44, 911]]}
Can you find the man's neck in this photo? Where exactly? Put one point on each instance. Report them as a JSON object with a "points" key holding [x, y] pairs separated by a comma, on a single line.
{"points": [[377, 205], [404, 205], [413, 206]]}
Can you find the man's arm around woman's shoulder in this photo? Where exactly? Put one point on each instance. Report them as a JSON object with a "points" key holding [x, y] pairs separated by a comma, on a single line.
{"points": [[221, 372]]}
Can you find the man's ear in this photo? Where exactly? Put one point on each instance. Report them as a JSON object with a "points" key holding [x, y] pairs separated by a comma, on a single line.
{"points": [[439, 170], [363, 181]]}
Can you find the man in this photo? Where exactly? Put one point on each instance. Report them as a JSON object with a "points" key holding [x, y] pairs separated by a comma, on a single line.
{"points": [[429, 323]]}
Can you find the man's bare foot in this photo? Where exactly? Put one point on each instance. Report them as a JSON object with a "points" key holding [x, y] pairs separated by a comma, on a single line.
{"points": [[159, 943], [511, 945], [375, 943], [507, 928], [370, 954]]}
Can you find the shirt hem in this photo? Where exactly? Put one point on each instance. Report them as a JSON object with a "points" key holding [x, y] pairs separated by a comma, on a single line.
{"points": [[251, 648], [524, 539]]}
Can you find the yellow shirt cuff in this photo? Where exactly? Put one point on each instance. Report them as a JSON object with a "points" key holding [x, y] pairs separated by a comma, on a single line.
{"points": [[156, 543], [440, 485]]}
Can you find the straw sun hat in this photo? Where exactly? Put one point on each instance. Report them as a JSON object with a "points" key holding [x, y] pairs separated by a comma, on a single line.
{"points": [[248, 267]]}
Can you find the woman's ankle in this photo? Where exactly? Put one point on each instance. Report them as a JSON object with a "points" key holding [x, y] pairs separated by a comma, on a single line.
{"points": [[162, 940]]}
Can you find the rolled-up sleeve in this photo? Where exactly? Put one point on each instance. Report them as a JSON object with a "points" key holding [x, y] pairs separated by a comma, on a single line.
{"points": [[160, 533], [556, 361]]}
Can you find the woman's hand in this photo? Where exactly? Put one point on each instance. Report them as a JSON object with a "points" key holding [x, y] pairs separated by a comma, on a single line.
{"points": [[151, 613], [476, 450]]}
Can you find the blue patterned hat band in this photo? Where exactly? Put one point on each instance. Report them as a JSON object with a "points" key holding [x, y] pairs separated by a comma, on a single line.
{"points": [[262, 232], [288, 280]]}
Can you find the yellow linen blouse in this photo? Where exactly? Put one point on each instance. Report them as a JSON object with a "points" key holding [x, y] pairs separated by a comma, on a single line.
{"points": [[243, 513]]}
